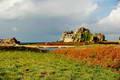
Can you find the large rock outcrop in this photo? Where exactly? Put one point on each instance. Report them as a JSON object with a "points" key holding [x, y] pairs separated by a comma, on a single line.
{"points": [[81, 35], [9, 41], [98, 37]]}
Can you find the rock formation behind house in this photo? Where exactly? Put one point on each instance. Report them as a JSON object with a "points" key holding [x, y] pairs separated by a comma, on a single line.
{"points": [[99, 37]]}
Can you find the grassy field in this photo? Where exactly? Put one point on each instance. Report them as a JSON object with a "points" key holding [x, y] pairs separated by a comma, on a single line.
{"points": [[22, 65]]}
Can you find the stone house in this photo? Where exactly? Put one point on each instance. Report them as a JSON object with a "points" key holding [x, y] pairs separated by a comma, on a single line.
{"points": [[80, 35]]}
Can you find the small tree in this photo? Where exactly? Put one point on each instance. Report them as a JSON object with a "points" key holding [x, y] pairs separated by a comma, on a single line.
{"points": [[86, 36]]}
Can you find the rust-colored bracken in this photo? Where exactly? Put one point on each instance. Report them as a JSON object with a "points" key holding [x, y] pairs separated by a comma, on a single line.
{"points": [[108, 56]]}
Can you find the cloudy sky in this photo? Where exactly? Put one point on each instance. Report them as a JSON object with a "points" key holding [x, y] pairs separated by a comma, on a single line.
{"points": [[45, 20]]}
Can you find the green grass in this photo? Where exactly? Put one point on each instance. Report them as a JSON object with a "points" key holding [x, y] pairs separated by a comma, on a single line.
{"points": [[22, 65]]}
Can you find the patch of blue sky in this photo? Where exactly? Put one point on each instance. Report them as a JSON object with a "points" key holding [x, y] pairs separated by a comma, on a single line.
{"points": [[107, 3], [105, 7]]}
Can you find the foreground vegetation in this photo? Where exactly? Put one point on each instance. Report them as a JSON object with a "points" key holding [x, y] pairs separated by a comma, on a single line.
{"points": [[22, 65], [103, 55]]}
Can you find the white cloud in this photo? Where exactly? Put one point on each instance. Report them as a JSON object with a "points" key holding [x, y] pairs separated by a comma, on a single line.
{"points": [[67, 7], [14, 8], [112, 21], [15, 29], [10, 9]]}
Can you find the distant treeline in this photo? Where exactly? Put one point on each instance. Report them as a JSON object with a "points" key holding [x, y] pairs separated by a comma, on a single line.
{"points": [[13, 48], [27, 43]]}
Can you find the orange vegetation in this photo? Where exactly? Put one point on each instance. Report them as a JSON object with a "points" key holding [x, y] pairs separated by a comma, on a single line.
{"points": [[108, 56]]}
